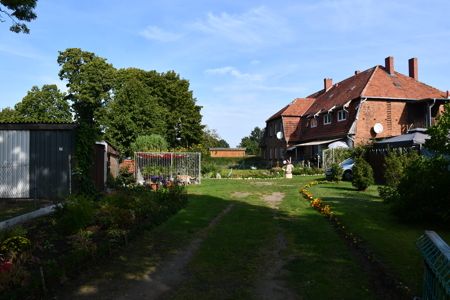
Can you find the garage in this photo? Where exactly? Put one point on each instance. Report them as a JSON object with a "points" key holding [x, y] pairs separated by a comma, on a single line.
{"points": [[36, 160]]}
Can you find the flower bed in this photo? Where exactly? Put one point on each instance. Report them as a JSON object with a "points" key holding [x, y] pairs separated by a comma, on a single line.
{"points": [[357, 243], [37, 258]]}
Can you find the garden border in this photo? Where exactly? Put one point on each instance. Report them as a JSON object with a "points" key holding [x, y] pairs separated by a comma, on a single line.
{"points": [[394, 287]]}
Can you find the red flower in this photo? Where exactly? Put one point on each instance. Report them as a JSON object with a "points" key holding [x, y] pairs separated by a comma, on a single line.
{"points": [[5, 266]]}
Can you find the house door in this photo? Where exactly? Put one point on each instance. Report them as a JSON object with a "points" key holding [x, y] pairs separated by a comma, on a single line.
{"points": [[14, 164]]}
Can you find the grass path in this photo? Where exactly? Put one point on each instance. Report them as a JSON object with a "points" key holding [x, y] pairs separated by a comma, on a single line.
{"points": [[237, 239]]}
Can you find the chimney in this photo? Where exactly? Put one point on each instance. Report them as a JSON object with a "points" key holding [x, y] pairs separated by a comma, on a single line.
{"points": [[327, 83], [357, 72], [447, 94], [413, 68], [389, 65]]}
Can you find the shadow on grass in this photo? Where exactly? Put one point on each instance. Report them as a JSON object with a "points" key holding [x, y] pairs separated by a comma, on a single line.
{"points": [[228, 267], [143, 258], [338, 187]]}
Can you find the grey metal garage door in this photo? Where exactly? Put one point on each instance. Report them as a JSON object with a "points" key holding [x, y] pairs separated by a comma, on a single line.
{"points": [[14, 164]]}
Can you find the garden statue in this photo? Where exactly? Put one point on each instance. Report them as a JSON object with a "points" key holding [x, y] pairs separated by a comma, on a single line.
{"points": [[287, 168]]}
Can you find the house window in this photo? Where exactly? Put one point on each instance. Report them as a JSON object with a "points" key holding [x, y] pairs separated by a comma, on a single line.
{"points": [[327, 119], [342, 115], [313, 123]]}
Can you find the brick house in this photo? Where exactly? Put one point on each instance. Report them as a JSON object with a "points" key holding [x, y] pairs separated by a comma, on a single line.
{"points": [[374, 104]]}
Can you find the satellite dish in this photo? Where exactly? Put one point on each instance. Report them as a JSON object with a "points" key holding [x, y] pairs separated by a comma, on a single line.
{"points": [[279, 135], [378, 128]]}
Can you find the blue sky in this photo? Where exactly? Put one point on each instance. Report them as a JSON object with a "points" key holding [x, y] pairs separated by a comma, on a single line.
{"points": [[244, 59]]}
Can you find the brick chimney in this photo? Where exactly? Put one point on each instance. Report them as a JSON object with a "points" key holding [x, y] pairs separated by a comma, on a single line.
{"points": [[357, 72], [389, 64], [327, 83], [413, 68]]}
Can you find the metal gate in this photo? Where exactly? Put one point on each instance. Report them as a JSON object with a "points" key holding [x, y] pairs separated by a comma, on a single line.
{"points": [[160, 166], [436, 257], [14, 164]]}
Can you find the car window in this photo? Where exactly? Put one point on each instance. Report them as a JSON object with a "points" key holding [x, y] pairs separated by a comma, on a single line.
{"points": [[348, 161]]}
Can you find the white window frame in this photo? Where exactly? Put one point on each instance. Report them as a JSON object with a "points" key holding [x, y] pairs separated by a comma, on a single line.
{"points": [[327, 117], [313, 123], [341, 115]]}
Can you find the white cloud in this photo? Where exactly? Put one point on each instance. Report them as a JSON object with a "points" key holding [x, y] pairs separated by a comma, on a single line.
{"points": [[234, 73], [21, 50], [158, 34], [256, 27]]}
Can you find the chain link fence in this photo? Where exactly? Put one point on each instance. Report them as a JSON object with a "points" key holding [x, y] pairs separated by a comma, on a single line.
{"points": [[184, 167]]}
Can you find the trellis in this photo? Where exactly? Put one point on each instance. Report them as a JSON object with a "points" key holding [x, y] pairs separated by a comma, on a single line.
{"points": [[164, 166]]}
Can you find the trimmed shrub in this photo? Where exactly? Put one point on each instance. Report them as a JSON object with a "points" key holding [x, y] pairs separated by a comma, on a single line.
{"points": [[336, 172], [149, 143], [362, 174]]}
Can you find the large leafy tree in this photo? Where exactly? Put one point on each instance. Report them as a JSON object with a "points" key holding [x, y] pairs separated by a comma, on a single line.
{"points": [[253, 141], [18, 12], [150, 102], [9, 114], [89, 82], [183, 118], [211, 139], [44, 104], [133, 112]]}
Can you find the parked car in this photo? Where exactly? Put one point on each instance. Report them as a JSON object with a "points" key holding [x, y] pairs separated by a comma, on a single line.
{"points": [[347, 166]]}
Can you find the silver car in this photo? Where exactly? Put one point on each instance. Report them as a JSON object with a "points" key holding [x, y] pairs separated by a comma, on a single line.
{"points": [[347, 166]]}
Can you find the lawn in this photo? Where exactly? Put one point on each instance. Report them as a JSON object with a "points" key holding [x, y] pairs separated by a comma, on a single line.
{"points": [[318, 265], [365, 214], [237, 254], [269, 237]]}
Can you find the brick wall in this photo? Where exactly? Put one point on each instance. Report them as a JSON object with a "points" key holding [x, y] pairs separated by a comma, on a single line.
{"points": [[391, 114], [227, 153], [273, 147]]}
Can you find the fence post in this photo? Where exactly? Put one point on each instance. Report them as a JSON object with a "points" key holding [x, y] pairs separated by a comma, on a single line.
{"points": [[436, 257], [200, 167]]}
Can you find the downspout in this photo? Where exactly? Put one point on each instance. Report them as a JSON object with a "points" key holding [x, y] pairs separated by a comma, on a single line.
{"points": [[429, 111]]}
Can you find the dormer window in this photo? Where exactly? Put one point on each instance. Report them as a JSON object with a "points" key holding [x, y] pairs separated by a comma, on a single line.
{"points": [[313, 123], [342, 115], [327, 119]]}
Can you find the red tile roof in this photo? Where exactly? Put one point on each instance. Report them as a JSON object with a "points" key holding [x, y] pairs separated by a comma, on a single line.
{"points": [[294, 109], [341, 92], [291, 127], [398, 86], [376, 83]]}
